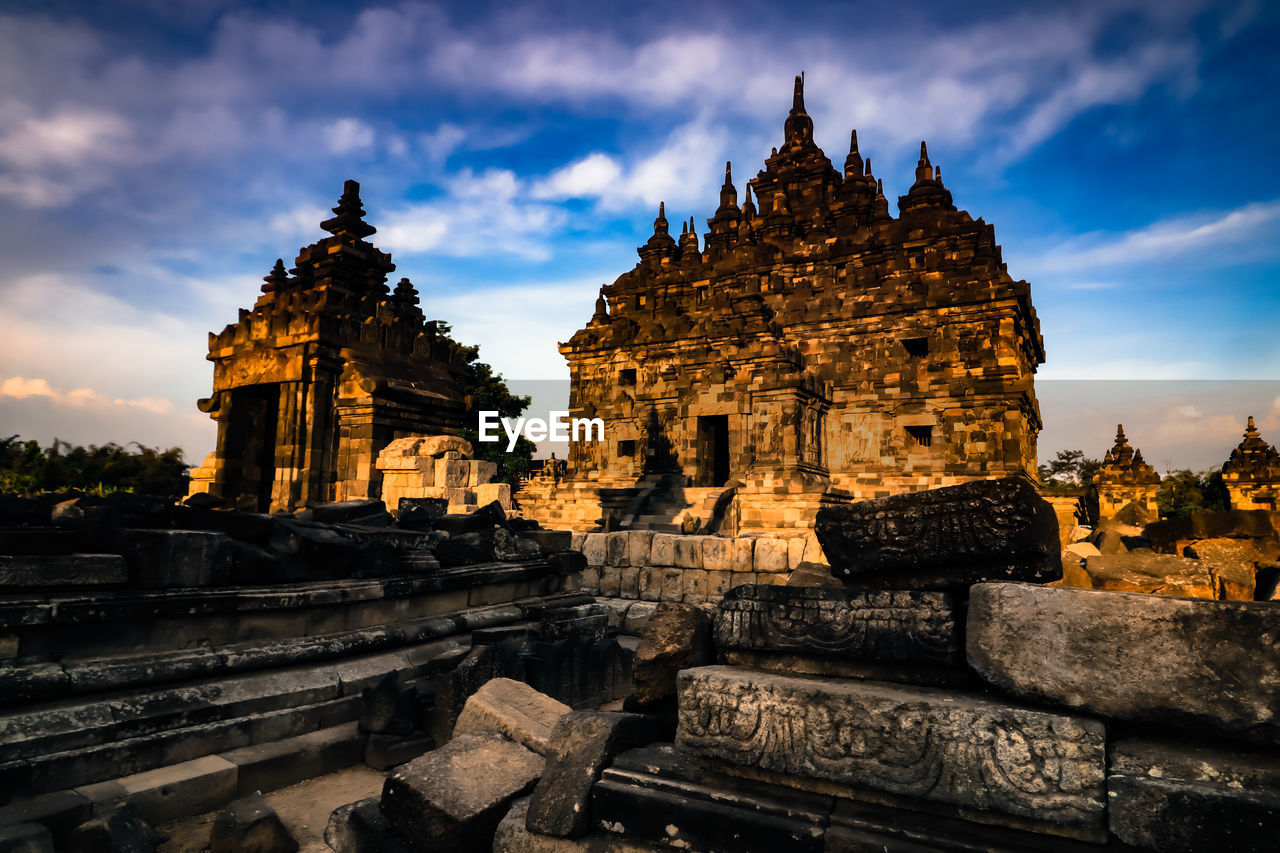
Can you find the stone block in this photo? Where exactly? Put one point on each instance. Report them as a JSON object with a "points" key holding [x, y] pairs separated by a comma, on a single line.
{"points": [[513, 837], [1232, 563], [593, 548], [672, 588], [513, 709], [60, 812], [481, 472], [611, 580], [890, 626], [737, 579], [1148, 572], [171, 792], [487, 493], [250, 825], [718, 583], [452, 798], [121, 829], [718, 553], [965, 750], [650, 583], [361, 827], [582, 745], [591, 579], [1173, 816], [638, 616], [639, 547], [162, 559], [576, 539], [382, 752], [280, 763], [25, 838], [688, 551], [629, 582], [1131, 656], [744, 554], [771, 555], [677, 636], [37, 570], [693, 585], [453, 474], [948, 537], [662, 549], [616, 549]]}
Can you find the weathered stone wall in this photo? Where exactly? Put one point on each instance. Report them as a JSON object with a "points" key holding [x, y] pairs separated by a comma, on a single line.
{"points": [[439, 467], [647, 566]]}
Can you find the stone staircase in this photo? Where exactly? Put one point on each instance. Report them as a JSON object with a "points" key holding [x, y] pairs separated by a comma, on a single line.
{"points": [[663, 504]]}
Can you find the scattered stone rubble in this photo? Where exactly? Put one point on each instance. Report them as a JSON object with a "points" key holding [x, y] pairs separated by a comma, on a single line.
{"points": [[944, 713]]}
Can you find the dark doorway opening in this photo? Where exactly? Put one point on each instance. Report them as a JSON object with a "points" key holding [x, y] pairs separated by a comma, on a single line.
{"points": [[251, 451], [713, 450]]}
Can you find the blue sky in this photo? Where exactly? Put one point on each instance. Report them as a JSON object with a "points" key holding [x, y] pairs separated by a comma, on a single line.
{"points": [[156, 157]]}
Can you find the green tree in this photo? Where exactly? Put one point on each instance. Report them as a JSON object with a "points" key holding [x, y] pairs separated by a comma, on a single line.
{"points": [[1184, 492], [26, 468], [486, 390]]}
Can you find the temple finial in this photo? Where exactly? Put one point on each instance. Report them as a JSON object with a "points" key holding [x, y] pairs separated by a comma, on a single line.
{"points": [[279, 277], [853, 163], [660, 224], [748, 207], [728, 173], [868, 171], [1251, 427], [349, 218], [798, 127], [924, 170]]}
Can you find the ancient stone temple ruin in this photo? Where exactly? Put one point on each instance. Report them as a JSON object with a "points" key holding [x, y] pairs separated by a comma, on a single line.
{"points": [[327, 369], [812, 350], [1125, 478], [1252, 473]]}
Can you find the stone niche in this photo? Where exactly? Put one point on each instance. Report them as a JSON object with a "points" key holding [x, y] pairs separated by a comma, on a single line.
{"points": [[439, 466], [326, 370], [812, 350]]}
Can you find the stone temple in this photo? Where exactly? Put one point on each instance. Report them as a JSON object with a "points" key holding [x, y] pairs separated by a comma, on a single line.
{"points": [[812, 350], [328, 368]]}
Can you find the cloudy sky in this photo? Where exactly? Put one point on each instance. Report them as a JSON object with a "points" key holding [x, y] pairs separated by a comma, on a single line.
{"points": [[156, 157]]}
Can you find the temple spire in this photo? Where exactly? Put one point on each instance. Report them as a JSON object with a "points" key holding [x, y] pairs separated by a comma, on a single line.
{"points": [[728, 192], [853, 163], [278, 278], [349, 219], [660, 224], [748, 207], [799, 127], [924, 170]]}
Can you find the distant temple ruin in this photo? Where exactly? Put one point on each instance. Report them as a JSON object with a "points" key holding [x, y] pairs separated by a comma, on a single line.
{"points": [[815, 350], [1125, 478], [327, 369], [1252, 473]]}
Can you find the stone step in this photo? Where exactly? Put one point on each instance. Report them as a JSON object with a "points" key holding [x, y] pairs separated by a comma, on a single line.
{"points": [[87, 675], [188, 788]]}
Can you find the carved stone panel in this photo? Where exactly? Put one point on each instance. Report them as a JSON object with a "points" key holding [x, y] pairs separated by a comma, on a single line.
{"points": [[911, 741], [900, 626]]}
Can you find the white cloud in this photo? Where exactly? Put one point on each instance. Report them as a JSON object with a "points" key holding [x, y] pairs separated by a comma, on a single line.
{"points": [[590, 177], [348, 134], [483, 213], [20, 388], [1213, 237]]}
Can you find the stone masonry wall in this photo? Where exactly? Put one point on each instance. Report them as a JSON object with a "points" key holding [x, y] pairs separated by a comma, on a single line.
{"points": [[647, 566]]}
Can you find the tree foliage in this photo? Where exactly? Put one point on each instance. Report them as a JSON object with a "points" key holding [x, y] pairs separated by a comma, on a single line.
{"points": [[1184, 492], [486, 390], [1069, 468], [26, 468]]}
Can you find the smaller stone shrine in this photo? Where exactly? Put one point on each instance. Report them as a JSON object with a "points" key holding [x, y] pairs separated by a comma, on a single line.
{"points": [[1252, 473], [327, 369], [1125, 478]]}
